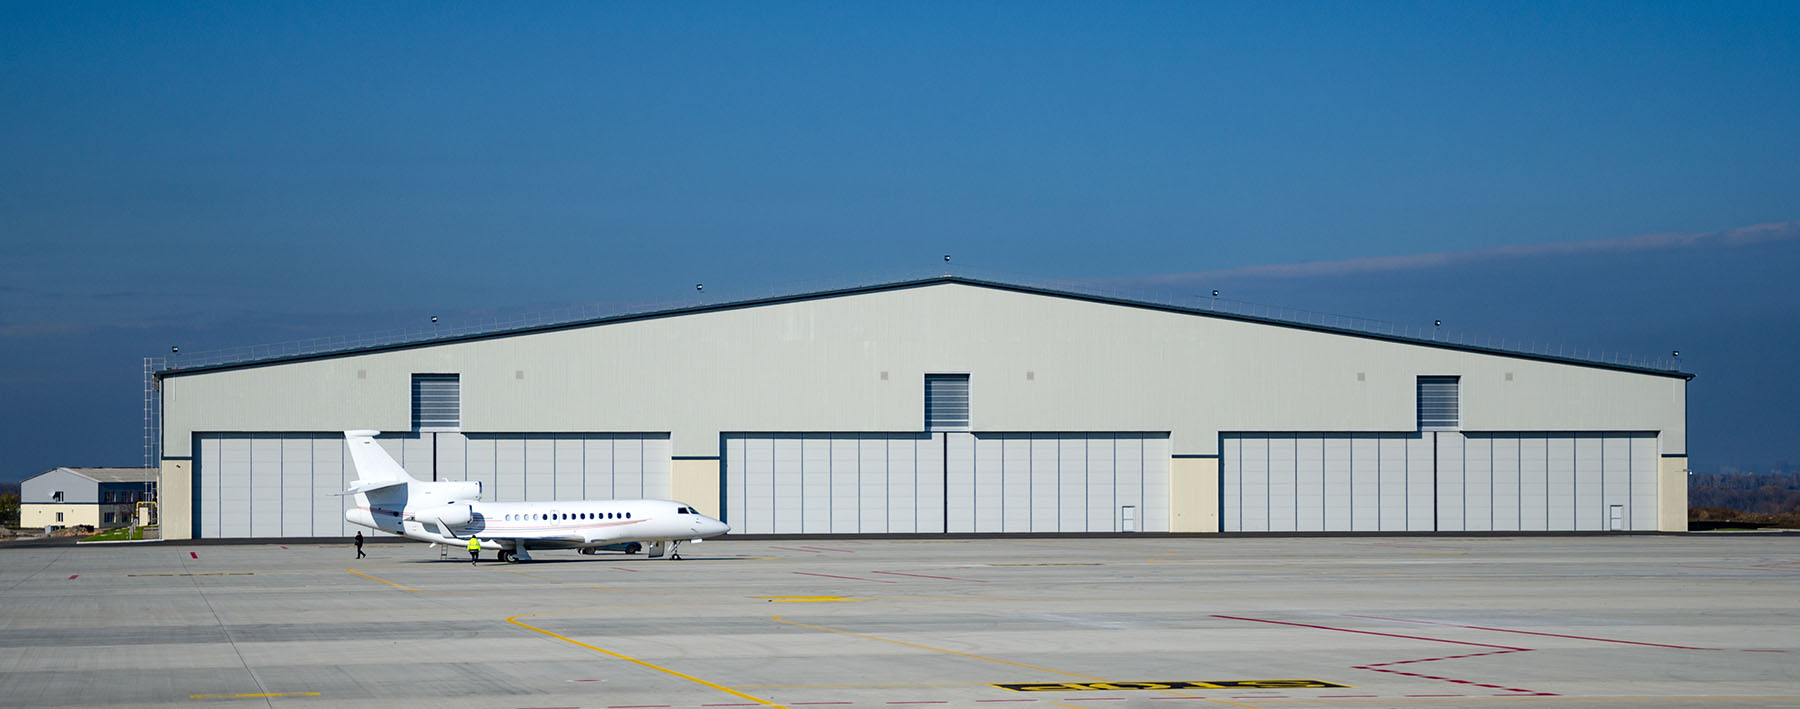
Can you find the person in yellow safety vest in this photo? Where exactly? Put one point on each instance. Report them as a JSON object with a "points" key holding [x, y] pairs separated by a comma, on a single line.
{"points": [[474, 549]]}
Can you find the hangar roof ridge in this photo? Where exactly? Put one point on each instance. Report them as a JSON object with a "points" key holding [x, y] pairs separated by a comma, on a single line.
{"points": [[108, 475], [1243, 311]]}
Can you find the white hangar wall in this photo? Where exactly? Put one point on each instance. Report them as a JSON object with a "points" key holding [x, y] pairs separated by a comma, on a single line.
{"points": [[854, 363]]}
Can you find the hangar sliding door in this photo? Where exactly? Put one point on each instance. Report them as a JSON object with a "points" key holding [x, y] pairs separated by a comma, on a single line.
{"points": [[861, 483], [287, 485], [1437, 481]]}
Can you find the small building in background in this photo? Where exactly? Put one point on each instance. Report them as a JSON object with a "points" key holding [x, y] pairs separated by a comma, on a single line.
{"points": [[98, 497]]}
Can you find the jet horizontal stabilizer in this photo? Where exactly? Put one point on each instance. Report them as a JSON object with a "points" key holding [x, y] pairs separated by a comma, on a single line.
{"points": [[361, 486]]}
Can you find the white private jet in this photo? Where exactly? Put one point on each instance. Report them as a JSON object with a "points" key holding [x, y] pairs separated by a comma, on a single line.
{"points": [[390, 500]]}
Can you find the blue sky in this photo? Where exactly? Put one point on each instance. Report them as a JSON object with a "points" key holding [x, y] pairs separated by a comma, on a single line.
{"points": [[223, 174]]}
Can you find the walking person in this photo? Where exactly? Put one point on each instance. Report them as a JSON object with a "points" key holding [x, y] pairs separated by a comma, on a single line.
{"points": [[474, 549], [359, 551]]}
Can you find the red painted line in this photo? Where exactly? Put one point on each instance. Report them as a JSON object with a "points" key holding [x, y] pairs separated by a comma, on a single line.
{"points": [[1096, 699], [194, 555], [923, 576], [621, 568], [1371, 632], [72, 576], [637, 706], [1381, 666], [931, 702], [852, 578], [1434, 695], [809, 551], [587, 680], [808, 704], [846, 551], [709, 705], [993, 701], [1334, 696], [1530, 632]]}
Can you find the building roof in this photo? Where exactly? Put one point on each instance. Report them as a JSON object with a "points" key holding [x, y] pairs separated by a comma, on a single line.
{"points": [[115, 475], [1229, 310]]}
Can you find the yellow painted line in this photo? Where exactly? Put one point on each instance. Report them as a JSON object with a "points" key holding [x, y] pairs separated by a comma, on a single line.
{"points": [[779, 619], [515, 621], [807, 599], [390, 583], [253, 696]]}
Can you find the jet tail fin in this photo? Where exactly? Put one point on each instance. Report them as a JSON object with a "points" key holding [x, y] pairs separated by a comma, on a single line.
{"points": [[375, 469]]}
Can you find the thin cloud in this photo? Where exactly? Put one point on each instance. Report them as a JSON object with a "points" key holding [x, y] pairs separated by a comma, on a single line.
{"points": [[1743, 236]]}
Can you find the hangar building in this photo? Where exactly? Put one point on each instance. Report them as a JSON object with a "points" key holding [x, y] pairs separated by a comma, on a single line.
{"points": [[945, 404]]}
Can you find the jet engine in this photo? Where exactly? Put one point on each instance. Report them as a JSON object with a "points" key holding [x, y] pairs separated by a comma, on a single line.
{"points": [[451, 489], [454, 514]]}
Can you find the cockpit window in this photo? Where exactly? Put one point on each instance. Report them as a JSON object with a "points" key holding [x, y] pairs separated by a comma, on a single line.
{"points": [[683, 511]]}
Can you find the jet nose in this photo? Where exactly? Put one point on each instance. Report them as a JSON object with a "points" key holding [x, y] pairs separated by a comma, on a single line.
{"points": [[715, 527]]}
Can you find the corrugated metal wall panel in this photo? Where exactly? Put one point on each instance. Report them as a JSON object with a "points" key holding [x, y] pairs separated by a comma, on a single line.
{"points": [[846, 483], [208, 487], [903, 483], [1644, 462], [331, 476], [815, 481], [1615, 476], [540, 469], [1507, 508], [274, 485], [1071, 484], [1309, 484], [297, 495], [265, 487], [872, 462], [990, 492], [1590, 513], [1534, 483], [1338, 483], [1253, 485], [1282, 484], [1395, 482], [1015, 474], [998, 482], [510, 481], [1451, 482], [1153, 516], [1134, 482], [1365, 484], [1560, 461], [481, 459], [789, 485], [1101, 481], [568, 464], [1391, 513], [1231, 483]]}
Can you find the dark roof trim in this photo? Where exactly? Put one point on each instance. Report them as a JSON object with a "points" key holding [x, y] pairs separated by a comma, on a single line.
{"points": [[916, 283]]}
